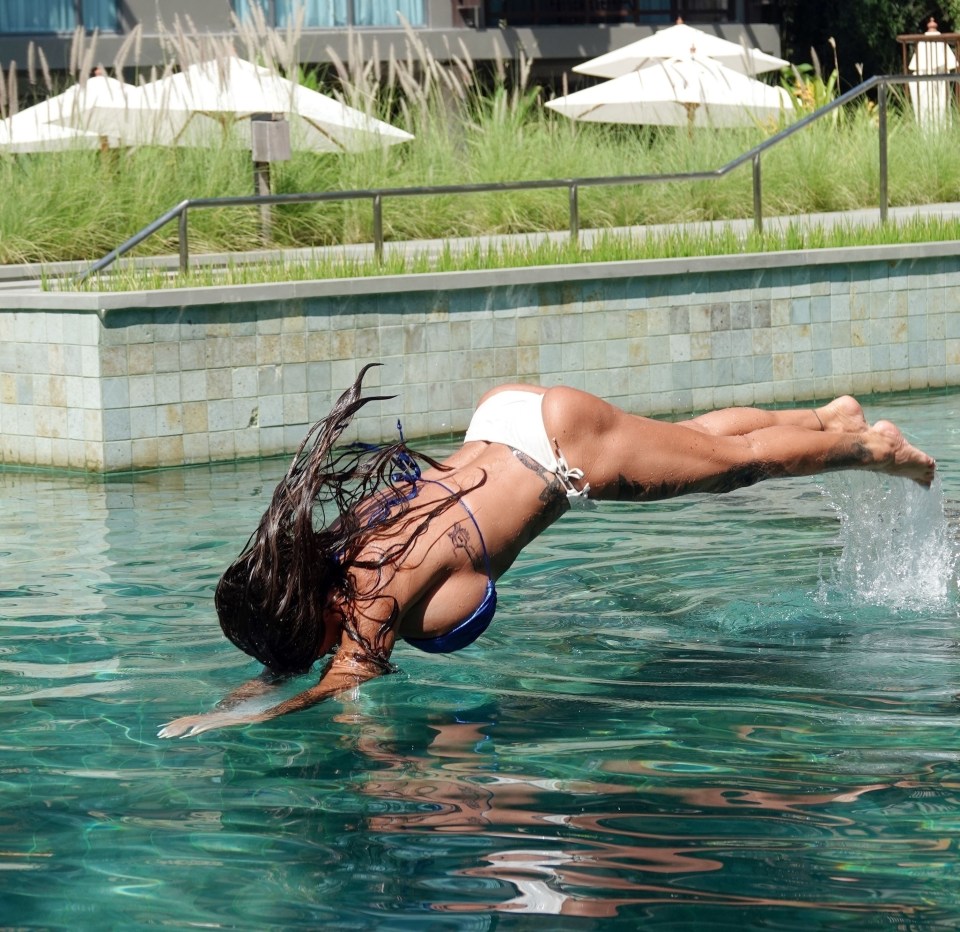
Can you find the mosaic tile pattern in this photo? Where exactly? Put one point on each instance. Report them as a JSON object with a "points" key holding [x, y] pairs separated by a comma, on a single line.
{"points": [[159, 387]]}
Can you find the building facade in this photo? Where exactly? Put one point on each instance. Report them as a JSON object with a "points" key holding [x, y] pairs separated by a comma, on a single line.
{"points": [[554, 34]]}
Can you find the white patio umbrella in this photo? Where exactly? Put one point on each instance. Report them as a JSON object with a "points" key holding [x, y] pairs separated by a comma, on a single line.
{"points": [[211, 100], [40, 128], [675, 42], [689, 91], [30, 132]]}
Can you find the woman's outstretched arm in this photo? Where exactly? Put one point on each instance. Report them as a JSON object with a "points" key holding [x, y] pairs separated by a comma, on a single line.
{"points": [[261, 685], [346, 670], [350, 666], [368, 630]]}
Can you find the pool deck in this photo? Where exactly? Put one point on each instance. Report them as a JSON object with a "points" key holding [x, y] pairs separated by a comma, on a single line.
{"points": [[105, 382]]}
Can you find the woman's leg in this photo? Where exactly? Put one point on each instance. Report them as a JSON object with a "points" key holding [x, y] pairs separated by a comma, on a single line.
{"points": [[625, 456], [842, 414]]}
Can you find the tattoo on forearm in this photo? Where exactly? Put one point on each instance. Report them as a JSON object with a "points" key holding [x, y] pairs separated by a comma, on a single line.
{"points": [[554, 494]]}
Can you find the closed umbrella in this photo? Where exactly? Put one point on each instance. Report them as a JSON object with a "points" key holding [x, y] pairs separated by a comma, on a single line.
{"points": [[689, 91], [677, 41]]}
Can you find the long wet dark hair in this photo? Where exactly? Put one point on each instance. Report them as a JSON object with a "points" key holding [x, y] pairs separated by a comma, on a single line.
{"points": [[273, 602]]}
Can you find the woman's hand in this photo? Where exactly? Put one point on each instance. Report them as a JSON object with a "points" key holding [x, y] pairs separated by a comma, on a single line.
{"points": [[346, 670], [190, 725]]}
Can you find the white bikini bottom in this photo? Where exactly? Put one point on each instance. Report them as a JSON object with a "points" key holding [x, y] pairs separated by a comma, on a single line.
{"points": [[514, 418]]}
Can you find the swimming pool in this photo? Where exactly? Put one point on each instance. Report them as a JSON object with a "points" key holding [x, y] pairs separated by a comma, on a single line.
{"points": [[712, 713]]}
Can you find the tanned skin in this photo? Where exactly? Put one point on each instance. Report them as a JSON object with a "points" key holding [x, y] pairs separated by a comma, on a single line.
{"points": [[442, 576]]}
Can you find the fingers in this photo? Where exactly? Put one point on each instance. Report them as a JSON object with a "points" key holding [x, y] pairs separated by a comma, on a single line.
{"points": [[172, 730], [192, 725], [176, 733], [183, 727]]}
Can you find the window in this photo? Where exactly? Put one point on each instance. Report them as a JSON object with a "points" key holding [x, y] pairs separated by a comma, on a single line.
{"points": [[592, 12], [48, 16], [329, 14]]}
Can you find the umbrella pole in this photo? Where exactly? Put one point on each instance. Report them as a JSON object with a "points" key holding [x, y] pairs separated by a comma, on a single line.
{"points": [[109, 157], [269, 142]]}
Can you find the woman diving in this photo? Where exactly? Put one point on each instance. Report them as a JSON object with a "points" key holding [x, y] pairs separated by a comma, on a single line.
{"points": [[360, 547]]}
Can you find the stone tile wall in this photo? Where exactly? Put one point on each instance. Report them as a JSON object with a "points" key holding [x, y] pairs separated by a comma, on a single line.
{"points": [[50, 389], [241, 373]]}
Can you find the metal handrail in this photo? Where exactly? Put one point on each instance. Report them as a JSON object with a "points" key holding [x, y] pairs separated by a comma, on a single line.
{"points": [[377, 195]]}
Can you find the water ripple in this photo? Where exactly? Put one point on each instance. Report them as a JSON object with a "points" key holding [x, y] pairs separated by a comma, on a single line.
{"points": [[713, 713]]}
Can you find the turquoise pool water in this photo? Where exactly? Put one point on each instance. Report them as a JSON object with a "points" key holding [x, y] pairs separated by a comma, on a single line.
{"points": [[712, 714]]}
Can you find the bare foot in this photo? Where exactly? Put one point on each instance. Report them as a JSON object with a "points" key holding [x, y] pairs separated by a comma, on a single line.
{"points": [[843, 415], [905, 459]]}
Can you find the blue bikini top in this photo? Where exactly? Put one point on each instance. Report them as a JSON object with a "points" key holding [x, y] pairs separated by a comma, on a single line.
{"points": [[468, 630]]}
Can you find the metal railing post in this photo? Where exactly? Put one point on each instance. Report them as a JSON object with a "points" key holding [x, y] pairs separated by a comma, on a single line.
{"points": [[882, 112], [378, 227], [574, 214], [183, 241], [757, 196]]}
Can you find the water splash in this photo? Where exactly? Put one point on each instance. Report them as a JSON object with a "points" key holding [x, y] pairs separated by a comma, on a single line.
{"points": [[897, 547]]}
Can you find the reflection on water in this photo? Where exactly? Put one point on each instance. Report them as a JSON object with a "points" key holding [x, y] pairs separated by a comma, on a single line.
{"points": [[714, 713], [593, 847]]}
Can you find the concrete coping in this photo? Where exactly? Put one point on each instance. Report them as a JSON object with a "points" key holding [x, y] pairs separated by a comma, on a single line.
{"points": [[102, 303]]}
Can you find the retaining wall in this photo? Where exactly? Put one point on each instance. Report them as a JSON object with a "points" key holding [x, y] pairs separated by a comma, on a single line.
{"points": [[107, 382]]}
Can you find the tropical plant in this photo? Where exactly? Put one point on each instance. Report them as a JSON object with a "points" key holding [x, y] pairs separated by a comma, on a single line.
{"points": [[868, 28]]}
